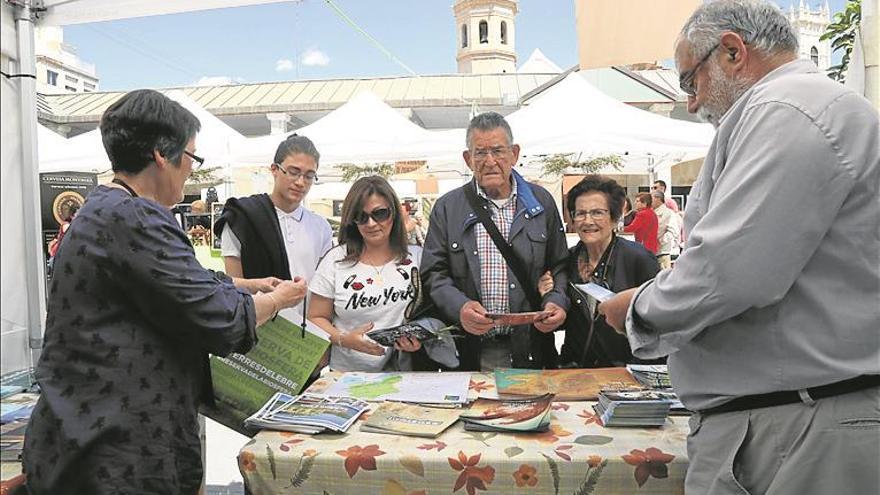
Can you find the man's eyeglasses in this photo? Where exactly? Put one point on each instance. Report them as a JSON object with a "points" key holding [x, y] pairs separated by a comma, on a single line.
{"points": [[498, 152], [295, 174], [379, 215], [686, 79], [195, 158], [597, 214]]}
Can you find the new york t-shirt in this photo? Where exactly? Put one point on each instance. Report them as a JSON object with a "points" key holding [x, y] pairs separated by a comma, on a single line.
{"points": [[361, 294]]}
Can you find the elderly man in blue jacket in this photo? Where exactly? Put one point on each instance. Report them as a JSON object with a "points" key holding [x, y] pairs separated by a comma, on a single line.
{"points": [[466, 275]]}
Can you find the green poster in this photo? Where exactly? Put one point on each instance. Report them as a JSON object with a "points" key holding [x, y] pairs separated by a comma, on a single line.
{"points": [[282, 361]]}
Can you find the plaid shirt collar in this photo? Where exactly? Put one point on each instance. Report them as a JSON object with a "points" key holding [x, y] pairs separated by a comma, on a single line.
{"points": [[512, 197]]}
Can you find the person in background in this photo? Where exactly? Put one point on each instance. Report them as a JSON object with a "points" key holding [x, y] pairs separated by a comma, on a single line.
{"points": [[595, 205], [55, 243], [629, 214], [365, 281], [667, 229], [660, 185], [467, 276], [770, 317], [270, 237], [414, 232], [645, 225], [124, 365]]}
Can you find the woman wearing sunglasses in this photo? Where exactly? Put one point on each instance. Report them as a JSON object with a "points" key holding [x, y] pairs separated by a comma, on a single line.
{"points": [[364, 282], [595, 205]]}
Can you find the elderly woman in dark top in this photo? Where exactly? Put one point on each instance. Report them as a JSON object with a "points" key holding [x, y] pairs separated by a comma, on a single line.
{"points": [[595, 206], [131, 319]]}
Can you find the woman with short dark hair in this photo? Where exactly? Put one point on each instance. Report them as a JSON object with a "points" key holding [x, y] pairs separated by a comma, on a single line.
{"points": [[130, 323], [365, 281], [595, 206]]}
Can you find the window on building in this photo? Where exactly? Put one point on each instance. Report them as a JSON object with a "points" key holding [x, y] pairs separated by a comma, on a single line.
{"points": [[88, 86], [464, 40], [503, 33], [70, 79], [814, 55], [51, 78], [70, 88], [484, 32]]}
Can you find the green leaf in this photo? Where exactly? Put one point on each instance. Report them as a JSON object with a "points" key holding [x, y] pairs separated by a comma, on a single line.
{"points": [[303, 471], [591, 479], [513, 451], [592, 440], [554, 472]]}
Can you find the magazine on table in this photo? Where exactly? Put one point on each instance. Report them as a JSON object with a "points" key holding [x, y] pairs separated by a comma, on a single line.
{"points": [[282, 361], [307, 413], [567, 384], [399, 418], [524, 415]]}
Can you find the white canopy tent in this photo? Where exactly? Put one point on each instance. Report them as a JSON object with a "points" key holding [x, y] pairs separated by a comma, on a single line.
{"points": [[363, 130], [575, 117], [85, 153]]}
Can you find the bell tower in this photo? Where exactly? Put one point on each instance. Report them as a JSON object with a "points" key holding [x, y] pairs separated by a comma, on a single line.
{"points": [[485, 35], [809, 25]]}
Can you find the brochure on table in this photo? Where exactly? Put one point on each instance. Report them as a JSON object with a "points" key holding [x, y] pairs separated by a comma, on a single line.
{"points": [[282, 361], [422, 388]]}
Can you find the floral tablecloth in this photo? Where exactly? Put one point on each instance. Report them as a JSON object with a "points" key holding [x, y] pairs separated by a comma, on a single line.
{"points": [[577, 456]]}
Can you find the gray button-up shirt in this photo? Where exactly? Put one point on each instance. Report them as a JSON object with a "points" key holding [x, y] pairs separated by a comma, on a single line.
{"points": [[779, 286]]}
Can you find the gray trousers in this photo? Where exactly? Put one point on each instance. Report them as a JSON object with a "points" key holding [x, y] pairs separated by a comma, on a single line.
{"points": [[829, 447]]}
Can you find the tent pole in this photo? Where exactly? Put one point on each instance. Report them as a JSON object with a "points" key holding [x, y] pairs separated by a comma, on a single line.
{"points": [[33, 244]]}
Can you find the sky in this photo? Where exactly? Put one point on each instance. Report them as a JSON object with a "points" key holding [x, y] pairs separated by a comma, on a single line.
{"points": [[305, 40]]}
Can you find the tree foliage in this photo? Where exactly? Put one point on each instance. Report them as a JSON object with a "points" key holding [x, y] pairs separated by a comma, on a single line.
{"points": [[557, 164], [352, 172], [842, 32]]}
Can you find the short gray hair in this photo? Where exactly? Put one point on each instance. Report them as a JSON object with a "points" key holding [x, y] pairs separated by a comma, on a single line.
{"points": [[486, 122], [659, 195], [759, 23]]}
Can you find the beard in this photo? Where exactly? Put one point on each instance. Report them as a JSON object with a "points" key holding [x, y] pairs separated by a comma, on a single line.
{"points": [[722, 95]]}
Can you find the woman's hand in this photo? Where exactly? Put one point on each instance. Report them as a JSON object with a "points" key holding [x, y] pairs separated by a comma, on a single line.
{"points": [[545, 283], [407, 344], [355, 339], [289, 293]]}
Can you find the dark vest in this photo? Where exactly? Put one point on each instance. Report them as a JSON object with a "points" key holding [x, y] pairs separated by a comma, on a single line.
{"points": [[254, 221]]}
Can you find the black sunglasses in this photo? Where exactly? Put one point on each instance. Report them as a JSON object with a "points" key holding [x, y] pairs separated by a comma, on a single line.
{"points": [[379, 215], [199, 160], [686, 79]]}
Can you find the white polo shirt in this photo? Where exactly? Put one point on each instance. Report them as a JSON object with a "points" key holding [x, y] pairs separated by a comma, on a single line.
{"points": [[307, 236]]}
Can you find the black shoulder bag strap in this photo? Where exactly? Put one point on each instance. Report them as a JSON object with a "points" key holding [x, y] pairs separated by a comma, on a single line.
{"points": [[513, 261]]}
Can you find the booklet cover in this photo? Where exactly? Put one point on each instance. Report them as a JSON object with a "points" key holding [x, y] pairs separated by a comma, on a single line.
{"points": [[567, 384], [307, 413], [388, 336], [595, 291], [282, 361], [514, 319], [398, 418], [417, 387], [526, 414]]}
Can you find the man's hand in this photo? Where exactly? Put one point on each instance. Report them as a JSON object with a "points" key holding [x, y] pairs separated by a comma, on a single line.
{"points": [[615, 309], [266, 284], [473, 318], [553, 317]]}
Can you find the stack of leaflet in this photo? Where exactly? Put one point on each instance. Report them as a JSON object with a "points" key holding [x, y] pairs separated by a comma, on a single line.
{"points": [[397, 418], [633, 407], [528, 414], [307, 413], [651, 375], [656, 376]]}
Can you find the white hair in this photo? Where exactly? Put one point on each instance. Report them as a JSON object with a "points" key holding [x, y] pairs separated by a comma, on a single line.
{"points": [[759, 23]]}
